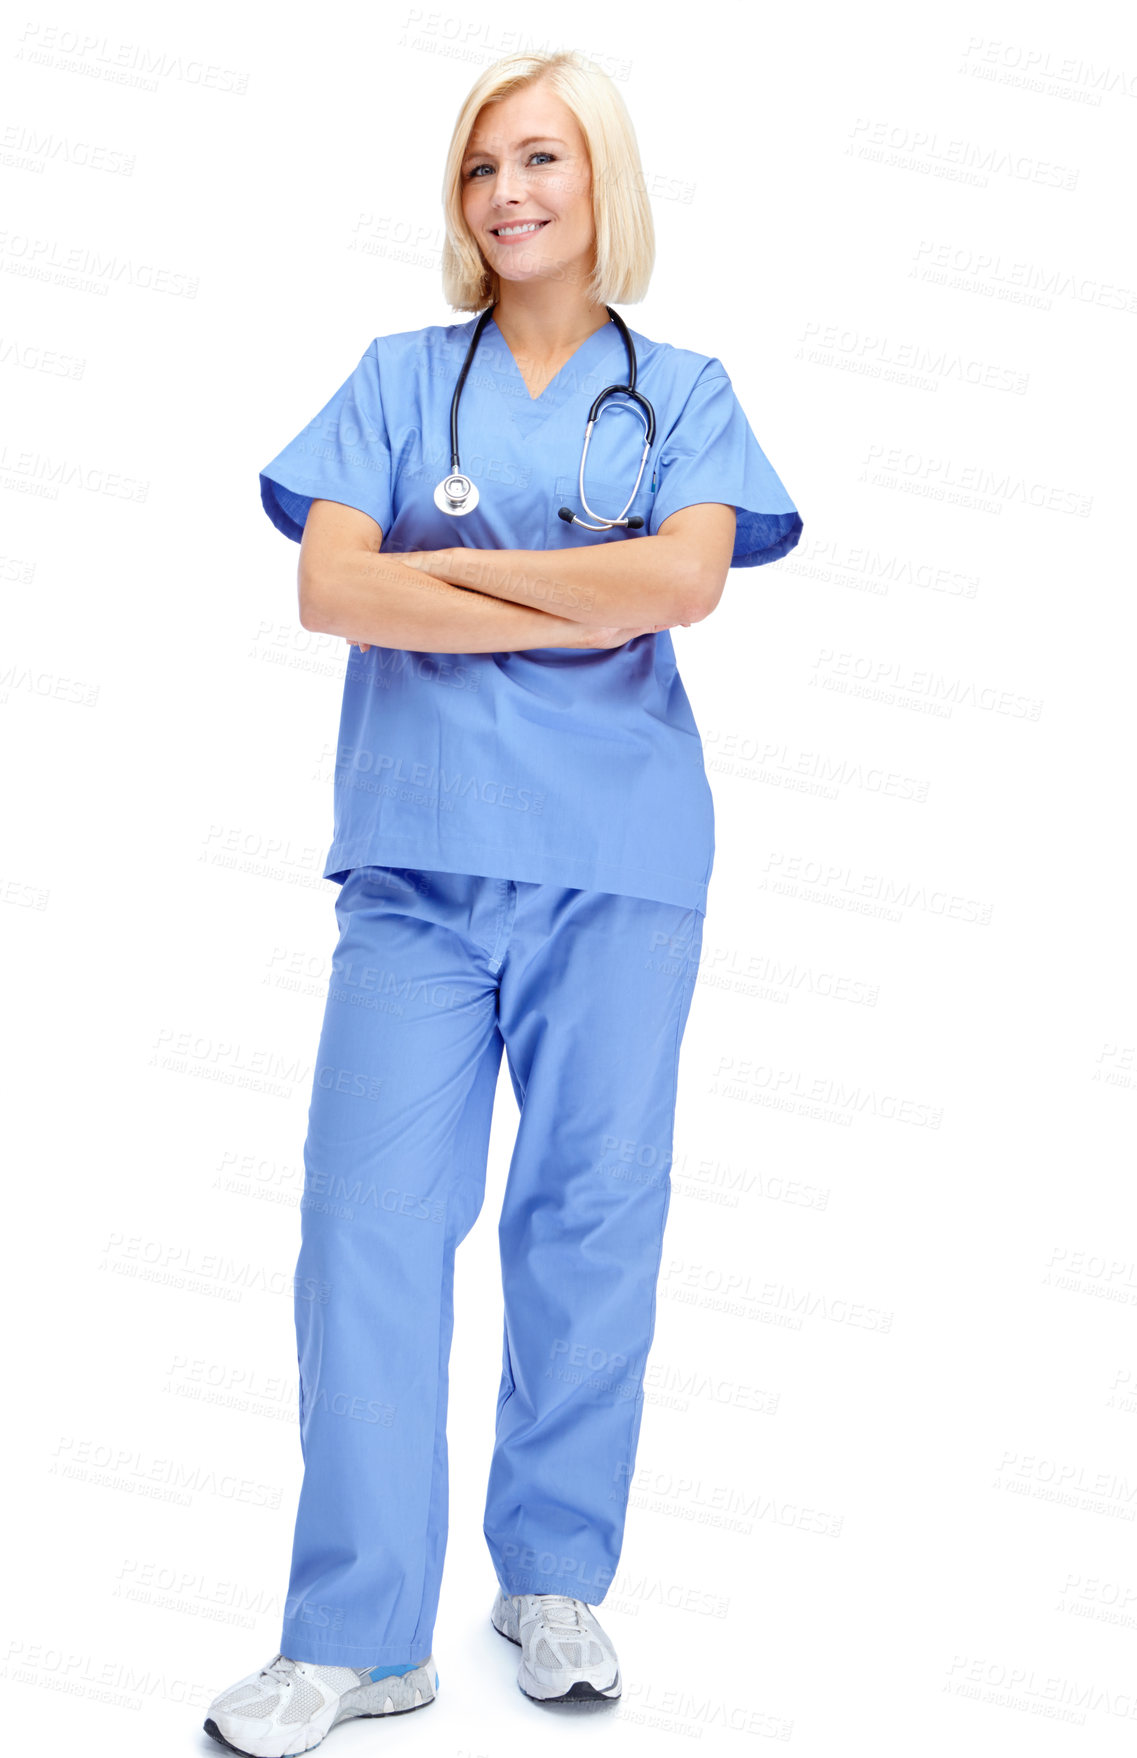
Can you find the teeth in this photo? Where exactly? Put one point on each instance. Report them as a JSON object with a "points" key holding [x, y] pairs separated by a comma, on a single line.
{"points": [[513, 231]]}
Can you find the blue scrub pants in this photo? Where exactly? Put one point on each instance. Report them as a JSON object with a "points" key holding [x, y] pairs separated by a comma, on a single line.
{"points": [[589, 993]]}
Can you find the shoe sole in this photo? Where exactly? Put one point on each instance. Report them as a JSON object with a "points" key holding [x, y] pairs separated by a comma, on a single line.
{"points": [[581, 1692], [214, 1732]]}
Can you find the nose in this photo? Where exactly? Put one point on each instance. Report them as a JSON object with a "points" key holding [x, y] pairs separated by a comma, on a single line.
{"points": [[509, 185]]}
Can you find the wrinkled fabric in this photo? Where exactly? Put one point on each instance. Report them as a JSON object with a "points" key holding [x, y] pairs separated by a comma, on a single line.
{"points": [[434, 974], [577, 768]]}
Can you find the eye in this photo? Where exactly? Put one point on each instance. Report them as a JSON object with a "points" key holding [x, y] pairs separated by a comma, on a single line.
{"points": [[540, 153]]}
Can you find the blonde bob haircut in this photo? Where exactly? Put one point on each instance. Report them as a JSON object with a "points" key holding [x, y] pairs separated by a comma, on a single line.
{"points": [[621, 212]]}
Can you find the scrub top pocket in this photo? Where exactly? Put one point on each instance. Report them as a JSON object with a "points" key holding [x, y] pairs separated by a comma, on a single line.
{"points": [[606, 496]]}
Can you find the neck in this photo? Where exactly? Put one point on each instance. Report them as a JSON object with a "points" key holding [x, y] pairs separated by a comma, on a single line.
{"points": [[541, 318]]}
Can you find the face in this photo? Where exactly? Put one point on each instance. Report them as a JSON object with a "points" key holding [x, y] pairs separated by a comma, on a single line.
{"points": [[526, 161]]}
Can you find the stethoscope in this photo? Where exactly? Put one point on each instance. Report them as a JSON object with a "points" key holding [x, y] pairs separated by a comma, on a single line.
{"points": [[456, 494]]}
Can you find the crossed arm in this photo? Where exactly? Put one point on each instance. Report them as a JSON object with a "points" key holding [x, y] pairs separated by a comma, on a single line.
{"points": [[464, 600]]}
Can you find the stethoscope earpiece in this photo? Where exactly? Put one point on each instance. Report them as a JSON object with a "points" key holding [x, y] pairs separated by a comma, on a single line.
{"points": [[570, 518], [456, 494]]}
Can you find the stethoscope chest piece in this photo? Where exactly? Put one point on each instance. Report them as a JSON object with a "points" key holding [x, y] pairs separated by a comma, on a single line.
{"points": [[456, 494]]}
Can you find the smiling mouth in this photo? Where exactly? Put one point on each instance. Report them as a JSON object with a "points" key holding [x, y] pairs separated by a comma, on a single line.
{"points": [[518, 228]]}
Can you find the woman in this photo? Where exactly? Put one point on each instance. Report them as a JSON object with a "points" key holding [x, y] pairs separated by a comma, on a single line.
{"points": [[523, 839]]}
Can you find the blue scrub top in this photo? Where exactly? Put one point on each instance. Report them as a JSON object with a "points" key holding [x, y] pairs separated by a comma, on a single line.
{"points": [[573, 768]]}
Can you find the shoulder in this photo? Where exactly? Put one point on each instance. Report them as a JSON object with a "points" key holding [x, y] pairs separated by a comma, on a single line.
{"points": [[680, 369], [412, 347], [684, 386]]}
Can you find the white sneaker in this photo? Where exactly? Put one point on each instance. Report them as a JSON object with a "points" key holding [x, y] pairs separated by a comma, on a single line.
{"points": [[290, 1705], [565, 1655]]}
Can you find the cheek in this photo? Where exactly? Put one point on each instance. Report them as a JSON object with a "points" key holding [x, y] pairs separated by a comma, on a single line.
{"points": [[573, 217], [473, 196], [581, 210]]}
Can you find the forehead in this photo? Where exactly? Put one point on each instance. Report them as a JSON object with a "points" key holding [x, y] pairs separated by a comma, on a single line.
{"points": [[536, 113]]}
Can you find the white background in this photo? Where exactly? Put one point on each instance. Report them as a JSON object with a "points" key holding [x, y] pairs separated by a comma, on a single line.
{"points": [[887, 1477]]}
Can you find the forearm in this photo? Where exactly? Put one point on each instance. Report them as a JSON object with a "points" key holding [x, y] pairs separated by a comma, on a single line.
{"points": [[649, 581], [380, 600]]}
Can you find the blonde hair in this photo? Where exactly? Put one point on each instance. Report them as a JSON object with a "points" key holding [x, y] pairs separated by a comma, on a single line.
{"points": [[621, 212]]}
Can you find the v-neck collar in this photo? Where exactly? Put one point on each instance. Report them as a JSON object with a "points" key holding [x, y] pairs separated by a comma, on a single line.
{"points": [[583, 362]]}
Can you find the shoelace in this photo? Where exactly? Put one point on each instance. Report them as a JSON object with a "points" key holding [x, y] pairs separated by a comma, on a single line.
{"points": [[284, 1670], [560, 1612]]}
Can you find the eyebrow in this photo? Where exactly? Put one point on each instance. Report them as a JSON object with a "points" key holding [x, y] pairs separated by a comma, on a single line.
{"points": [[531, 140]]}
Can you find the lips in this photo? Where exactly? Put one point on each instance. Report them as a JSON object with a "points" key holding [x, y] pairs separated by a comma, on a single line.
{"points": [[507, 225]]}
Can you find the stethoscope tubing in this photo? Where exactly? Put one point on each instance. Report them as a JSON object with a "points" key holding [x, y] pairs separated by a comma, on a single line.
{"points": [[458, 494]]}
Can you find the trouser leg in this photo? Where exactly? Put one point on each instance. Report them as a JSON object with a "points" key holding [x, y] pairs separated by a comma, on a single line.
{"points": [[395, 1161], [595, 994]]}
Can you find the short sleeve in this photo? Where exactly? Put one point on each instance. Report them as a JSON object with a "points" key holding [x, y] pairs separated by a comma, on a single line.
{"points": [[711, 454], [343, 454]]}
